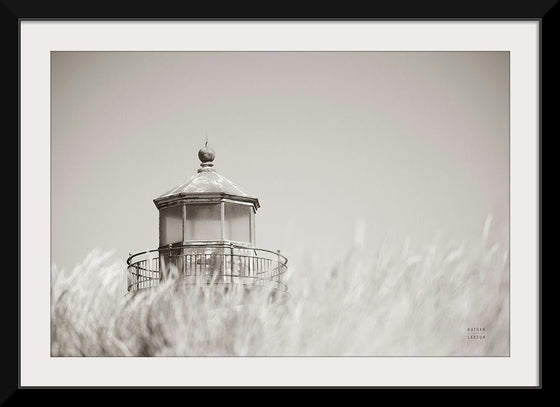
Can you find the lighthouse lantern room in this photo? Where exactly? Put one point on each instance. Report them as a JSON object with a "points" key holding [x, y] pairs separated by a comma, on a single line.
{"points": [[207, 236]]}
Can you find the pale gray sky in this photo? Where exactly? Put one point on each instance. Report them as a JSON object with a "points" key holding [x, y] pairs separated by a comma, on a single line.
{"points": [[401, 143]]}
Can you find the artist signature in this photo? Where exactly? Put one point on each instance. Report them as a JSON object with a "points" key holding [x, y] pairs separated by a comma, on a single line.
{"points": [[476, 333]]}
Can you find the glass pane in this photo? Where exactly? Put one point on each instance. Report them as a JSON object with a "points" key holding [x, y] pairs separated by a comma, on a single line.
{"points": [[238, 222], [203, 222], [171, 225]]}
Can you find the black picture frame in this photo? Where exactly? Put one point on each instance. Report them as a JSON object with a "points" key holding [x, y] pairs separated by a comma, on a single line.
{"points": [[15, 11]]}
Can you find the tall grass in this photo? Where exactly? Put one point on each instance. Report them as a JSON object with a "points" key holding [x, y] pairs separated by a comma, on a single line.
{"points": [[398, 301]]}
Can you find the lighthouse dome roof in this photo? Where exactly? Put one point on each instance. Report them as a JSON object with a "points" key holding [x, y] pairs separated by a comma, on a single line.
{"points": [[205, 185]]}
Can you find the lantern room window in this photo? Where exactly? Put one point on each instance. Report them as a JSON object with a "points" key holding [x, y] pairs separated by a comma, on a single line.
{"points": [[171, 225], [237, 222], [203, 222]]}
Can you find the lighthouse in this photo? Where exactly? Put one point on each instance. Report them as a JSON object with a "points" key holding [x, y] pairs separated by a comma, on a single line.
{"points": [[207, 237]]}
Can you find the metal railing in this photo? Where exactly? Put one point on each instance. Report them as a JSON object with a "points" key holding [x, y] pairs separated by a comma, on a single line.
{"points": [[207, 263]]}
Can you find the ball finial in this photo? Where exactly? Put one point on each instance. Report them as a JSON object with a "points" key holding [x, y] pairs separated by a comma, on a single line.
{"points": [[206, 155]]}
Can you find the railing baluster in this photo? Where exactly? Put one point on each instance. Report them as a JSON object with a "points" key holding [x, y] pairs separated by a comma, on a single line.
{"points": [[231, 262]]}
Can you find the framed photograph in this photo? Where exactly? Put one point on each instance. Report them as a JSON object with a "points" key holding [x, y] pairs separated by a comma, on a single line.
{"points": [[280, 203]]}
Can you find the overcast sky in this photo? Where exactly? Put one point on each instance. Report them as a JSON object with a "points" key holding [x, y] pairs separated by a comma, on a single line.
{"points": [[332, 143]]}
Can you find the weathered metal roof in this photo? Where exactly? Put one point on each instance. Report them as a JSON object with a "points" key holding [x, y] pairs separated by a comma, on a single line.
{"points": [[206, 184]]}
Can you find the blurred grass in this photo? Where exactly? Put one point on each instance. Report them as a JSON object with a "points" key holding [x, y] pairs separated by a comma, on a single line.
{"points": [[398, 301]]}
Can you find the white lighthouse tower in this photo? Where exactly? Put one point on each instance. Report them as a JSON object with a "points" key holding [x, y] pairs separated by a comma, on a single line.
{"points": [[207, 237]]}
